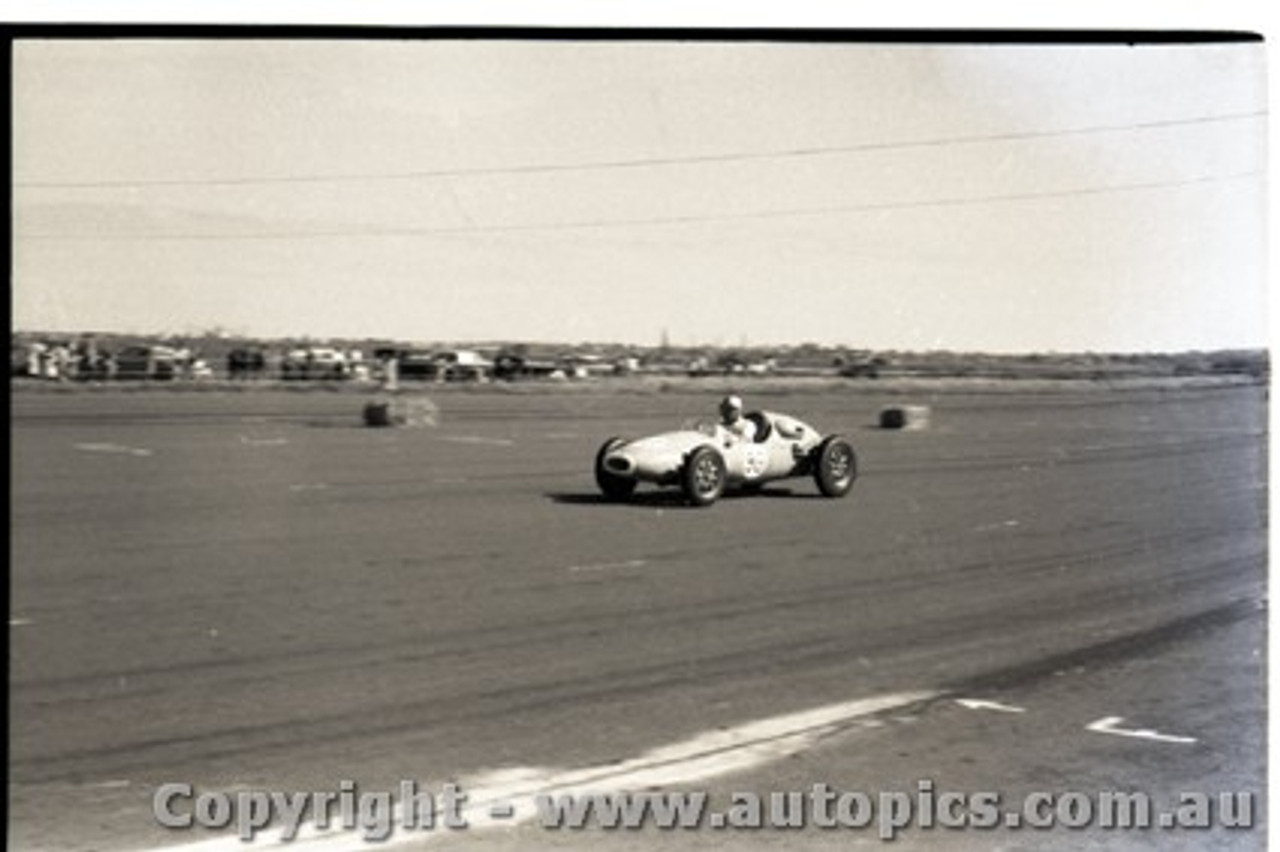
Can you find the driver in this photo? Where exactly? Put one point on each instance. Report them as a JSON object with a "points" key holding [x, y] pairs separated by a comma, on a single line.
{"points": [[732, 420]]}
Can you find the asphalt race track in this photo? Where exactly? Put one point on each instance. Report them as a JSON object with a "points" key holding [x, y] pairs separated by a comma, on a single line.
{"points": [[252, 590]]}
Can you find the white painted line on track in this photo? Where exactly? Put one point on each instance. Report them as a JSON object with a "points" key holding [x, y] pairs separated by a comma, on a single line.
{"points": [[1010, 524], [980, 704], [477, 439], [112, 448], [608, 566], [262, 442], [508, 796], [1108, 726], [20, 622]]}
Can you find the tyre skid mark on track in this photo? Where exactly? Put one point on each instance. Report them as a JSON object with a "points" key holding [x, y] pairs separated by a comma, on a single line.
{"points": [[1113, 649], [503, 702], [1091, 454], [555, 630]]}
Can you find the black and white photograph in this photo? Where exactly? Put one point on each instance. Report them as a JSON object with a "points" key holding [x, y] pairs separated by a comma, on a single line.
{"points": [[511, 438]]}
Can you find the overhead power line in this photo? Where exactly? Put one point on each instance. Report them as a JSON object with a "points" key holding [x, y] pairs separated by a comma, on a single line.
{"points": [[869, 207], [647, 162]]}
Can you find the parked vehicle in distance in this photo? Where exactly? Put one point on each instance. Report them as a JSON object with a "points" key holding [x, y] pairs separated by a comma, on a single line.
{"points": [[316, 362], [161, 363]]}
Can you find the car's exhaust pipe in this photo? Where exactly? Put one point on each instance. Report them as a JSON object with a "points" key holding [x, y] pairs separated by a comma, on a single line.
{"points": [[619, 464]]}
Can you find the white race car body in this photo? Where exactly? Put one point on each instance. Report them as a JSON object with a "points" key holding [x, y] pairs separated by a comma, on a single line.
{"points": [[781, 447]]}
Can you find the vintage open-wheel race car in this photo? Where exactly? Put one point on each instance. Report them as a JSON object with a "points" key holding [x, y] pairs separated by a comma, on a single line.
{"points": [[705, 458]]}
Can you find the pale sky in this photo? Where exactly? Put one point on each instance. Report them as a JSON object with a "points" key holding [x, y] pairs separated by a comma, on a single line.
{"points": [[890, 196]]}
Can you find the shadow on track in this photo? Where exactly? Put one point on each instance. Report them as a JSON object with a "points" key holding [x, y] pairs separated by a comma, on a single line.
{"points": [[670, 498]]}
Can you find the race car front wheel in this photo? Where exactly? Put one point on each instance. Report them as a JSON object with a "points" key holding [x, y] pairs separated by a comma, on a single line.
{"points": [[835, 466], [703, 476], [612, 485]]}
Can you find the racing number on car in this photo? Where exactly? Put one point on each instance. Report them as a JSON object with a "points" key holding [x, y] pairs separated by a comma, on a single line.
{"points": [[755, 460]]}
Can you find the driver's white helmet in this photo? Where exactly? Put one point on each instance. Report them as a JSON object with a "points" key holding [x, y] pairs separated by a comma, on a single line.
{"points": [[731, 403]]}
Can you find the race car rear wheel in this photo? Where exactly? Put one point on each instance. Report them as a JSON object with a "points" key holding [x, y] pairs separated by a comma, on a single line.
{"points": [[703, 475], [612, 485], [835, 466]]}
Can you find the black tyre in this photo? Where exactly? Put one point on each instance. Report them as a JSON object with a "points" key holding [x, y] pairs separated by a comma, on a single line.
{"points": [[703, 476], [835, 466], [612, 485]]}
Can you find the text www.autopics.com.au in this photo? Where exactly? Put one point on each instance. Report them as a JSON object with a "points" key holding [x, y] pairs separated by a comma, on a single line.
{"points": [[377, 814]]}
